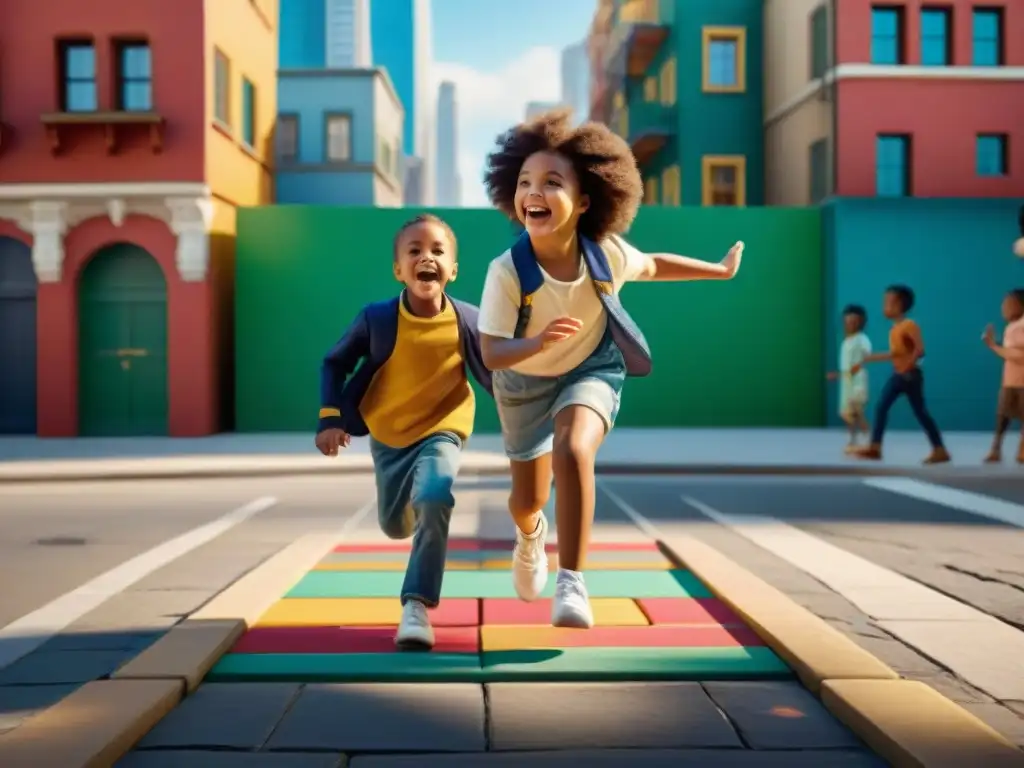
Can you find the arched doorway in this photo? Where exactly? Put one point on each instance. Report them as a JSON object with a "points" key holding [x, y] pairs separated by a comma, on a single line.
{"points": [[17, 339], [122, 327]]}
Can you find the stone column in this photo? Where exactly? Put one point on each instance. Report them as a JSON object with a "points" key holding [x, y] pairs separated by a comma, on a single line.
{"points": [[190, 221], [47, 221]]}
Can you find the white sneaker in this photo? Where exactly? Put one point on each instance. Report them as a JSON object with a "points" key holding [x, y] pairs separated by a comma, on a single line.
{"points": [[571, 606], [415, 630], [530, 562]]}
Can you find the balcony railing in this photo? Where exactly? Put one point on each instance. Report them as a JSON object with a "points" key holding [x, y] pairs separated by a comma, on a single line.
{"points": [[646, 126], [639, 29]]}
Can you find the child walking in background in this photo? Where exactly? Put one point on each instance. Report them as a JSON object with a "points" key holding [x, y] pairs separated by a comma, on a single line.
{"points": [[412, 396], [906, 348], [556, 336], [853, 387], [1011, 394]]}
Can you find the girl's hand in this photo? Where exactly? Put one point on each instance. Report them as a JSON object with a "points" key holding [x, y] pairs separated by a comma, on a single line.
{"points": [[732, 259], [559, 329]]}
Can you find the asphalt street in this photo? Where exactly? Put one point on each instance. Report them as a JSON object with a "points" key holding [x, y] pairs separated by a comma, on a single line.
{"points": [[155, 551]]}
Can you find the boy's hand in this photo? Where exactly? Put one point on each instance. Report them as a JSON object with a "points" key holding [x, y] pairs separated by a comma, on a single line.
{"points": [[856, 368], [989, 336], [559, 329], [732, 259], [832, 375], [331, 440]]}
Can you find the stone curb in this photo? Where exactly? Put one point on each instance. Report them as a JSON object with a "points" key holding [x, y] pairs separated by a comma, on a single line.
{"points": [[906, 722], [10, 474], [98, 724]]}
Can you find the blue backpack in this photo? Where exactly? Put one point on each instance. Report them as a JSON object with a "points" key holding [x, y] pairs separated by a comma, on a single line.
{"points": [[625, 332]]}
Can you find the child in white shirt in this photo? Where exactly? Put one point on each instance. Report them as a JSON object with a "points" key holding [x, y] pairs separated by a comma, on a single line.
{"points": [[562, 345], [853, 387]]}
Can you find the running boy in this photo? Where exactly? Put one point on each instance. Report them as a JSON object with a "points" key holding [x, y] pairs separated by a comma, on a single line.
{"points": [[553, 330], [1011, 395], [906, 348], [412, 396], [853, 387]]}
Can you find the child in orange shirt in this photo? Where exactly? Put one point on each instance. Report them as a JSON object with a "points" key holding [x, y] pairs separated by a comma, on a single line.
{"points": [[1011, 395], [906, 348]]}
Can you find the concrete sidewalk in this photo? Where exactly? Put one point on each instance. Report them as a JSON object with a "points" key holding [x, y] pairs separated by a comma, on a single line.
{"points": [[691, 451]]}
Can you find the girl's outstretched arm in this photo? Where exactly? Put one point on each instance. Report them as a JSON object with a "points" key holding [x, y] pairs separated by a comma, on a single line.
{"points": [[668, 266]]}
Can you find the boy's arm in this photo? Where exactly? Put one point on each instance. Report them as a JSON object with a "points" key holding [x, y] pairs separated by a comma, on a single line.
{"points": [[500, 354], [338, 365], [1013, 354]]}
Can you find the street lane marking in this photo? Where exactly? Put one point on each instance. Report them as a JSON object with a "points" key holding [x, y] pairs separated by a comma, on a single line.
{"points": [[978, 504], [24, 635], [639, 520], [982, 650]]}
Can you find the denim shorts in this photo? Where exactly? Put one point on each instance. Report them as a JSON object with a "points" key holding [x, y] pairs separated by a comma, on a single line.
{"points": [[527, 405]]}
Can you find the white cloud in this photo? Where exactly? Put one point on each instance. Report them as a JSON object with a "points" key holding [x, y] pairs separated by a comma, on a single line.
{"points": [[490, 102]]}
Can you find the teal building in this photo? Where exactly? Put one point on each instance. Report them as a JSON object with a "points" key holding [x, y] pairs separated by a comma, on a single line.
{"points": [[686, 93]]}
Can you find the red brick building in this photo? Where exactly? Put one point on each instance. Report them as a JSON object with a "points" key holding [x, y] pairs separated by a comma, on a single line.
{"points": [[895, 98], [122, 138]]}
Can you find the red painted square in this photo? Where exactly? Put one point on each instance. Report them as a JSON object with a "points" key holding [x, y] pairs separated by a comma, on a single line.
{"points": [[348, 640], [624, 546], [629, 637], [456, 612], [510, 610], [455, 545], [687, 610]]}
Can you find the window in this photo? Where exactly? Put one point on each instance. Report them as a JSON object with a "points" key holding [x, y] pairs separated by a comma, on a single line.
{"points": [[892, 166], [221, 88], [671, 186], [886, 35], [287, 137], [339, 138], [990, 149], [78, 76], [667, 83], [724, 180], [987, 37], [650, 89], [134, 77], [819, 43], [651, 191], [725, 59], [936, 43], [818, 171], [248, 112]]}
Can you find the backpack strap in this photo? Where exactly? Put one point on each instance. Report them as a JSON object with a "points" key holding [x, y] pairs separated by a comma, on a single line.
{"points": [[597, 265], [382, 321], [530, 281]]}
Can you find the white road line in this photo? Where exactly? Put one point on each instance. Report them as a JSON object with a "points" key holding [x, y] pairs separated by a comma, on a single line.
{"points": [[965, 501], [641, 522], [979, 648], [24, 635]]}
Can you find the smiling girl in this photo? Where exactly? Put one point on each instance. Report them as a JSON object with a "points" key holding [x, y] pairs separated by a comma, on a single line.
{"points": [[554, 333]]}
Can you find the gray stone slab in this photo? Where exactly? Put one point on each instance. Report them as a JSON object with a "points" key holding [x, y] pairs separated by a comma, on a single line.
{"points": [[605, 715], [213, 759], [153, 611], [98, 640], [780, 715], [63, 667], [206, 569], [18, 702], [421, 717], [628, 758], [224, 715]]}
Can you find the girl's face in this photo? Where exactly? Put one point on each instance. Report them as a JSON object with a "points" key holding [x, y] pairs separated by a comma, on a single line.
{"points": [[548, 199]]}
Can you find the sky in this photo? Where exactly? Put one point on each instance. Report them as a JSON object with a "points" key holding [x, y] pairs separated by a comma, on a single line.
{"points": [[500, 55]]}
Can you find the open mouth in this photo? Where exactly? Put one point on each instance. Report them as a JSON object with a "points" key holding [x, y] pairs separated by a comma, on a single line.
{"points": [[427, 276], [537, 213]]}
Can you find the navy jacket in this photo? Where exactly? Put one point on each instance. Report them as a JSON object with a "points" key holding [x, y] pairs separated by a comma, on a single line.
{"points": [[371, 340]]}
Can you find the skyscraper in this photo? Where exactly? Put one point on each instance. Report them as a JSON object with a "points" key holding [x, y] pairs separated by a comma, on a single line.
{"points": [[449, 185], [401, 31], [576, 80], [348, 34], [315, 34]]}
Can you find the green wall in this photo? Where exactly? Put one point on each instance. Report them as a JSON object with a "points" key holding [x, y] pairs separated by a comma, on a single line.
{"points": [[737, 354]]}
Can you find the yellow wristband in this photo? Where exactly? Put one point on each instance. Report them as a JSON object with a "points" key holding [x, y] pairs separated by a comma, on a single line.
{"points": [[326, 413]]}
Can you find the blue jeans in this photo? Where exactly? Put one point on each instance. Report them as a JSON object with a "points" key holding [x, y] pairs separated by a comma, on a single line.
{"points": [[910, 384], [414, 498]]}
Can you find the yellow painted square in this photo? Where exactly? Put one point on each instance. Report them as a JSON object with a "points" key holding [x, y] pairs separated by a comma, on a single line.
{"points": [[617, 612], [339, 612], [506, 564]]}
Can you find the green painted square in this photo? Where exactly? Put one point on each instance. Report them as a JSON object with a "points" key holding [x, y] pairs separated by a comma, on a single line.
{"points": [[410, 667], [498, 584], [597, 664]]}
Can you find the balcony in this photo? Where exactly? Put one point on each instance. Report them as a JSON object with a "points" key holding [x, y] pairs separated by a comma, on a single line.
{"points": [[114, 124], [647, 126], [639, 30]]}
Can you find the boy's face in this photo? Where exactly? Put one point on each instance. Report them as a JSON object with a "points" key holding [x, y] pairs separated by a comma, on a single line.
{"points": [[1012, 308], [425, 261], [548, 198], [891, 305], [851, 323]]}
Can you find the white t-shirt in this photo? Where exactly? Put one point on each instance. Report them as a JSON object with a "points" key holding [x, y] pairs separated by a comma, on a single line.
{"points": [[853, 352], [499, 306]]}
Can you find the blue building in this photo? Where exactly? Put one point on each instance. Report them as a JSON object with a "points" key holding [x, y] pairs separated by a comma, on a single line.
{"points": [[339, 138]]}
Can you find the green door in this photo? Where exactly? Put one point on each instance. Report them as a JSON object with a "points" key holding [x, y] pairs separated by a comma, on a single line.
{"points": [[122, 313]]}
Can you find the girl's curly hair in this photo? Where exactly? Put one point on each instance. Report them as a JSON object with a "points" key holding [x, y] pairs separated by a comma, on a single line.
{"points": [[604, 165]]}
